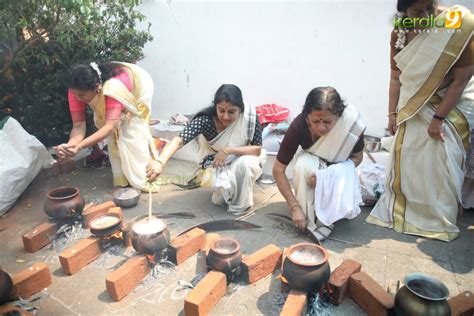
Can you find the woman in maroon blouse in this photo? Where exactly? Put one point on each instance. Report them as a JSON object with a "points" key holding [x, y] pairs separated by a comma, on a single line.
{"points": [[328, 132]]}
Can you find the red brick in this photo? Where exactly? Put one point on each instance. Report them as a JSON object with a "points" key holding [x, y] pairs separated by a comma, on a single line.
{"points": [[67, 166], [261, 263], [462, 304], [123, 280], [369, 295], [95, 211], [13, 310], [339, 280], [80, 255], [210, 238], [52, 171], [184, 246], [206, 294], [116, 210], [31, 280], [38, 237], [296, 304]]}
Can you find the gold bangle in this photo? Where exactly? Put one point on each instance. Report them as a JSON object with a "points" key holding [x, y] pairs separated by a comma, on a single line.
{"points": [[391, 113], [226, 151]]}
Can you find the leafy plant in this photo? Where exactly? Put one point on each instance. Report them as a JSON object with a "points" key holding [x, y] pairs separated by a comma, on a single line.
{"points": [[40, 39]]}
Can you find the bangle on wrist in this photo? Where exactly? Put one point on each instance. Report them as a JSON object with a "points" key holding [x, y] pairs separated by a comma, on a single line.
{"points": [[391, 113], [441, 118], [160, 162], [293, 205], [226, 151]]}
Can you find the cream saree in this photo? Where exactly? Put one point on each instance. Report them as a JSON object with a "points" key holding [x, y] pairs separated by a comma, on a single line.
{"points": [[334, 147], [425, 175], [131, 144], [241, 172]]}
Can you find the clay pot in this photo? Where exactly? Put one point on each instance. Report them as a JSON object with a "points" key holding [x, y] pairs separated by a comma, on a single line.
{"points": [[63, 203], [150, 237], [105, 224], [306, 267], [6, 287], [422, 295], [224, 255]]}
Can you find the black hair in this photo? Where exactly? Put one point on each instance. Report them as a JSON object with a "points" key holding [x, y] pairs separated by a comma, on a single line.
{"points": [[85, 78], [228, 93], [324, 98], [403, 5]]}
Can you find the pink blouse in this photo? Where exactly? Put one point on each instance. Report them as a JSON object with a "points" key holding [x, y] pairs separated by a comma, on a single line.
{"points": [[113, 108]]}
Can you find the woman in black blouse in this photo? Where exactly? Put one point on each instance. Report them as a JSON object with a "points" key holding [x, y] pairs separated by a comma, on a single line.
{"points": [[231, 135]]}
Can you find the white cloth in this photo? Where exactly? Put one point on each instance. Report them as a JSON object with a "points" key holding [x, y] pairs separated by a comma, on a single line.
{"points": [[337, 193]]}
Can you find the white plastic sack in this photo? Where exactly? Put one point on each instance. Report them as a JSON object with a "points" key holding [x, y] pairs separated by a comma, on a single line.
{"points": [[372, 182], [21, 158]]}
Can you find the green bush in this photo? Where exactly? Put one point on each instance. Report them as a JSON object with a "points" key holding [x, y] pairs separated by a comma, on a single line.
{"points": [[40, 39]]}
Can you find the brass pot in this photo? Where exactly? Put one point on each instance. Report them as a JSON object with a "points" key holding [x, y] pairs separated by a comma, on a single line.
{"points": [[306, 267], [224, 255], [63, 203], [150, 236], [422, 295], [6, 287]]}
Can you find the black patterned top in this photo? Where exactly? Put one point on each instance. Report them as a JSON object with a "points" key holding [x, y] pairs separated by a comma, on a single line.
{"points": [[205, 125]]}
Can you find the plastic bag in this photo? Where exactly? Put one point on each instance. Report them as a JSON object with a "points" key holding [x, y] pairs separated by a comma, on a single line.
{"points": [[372, 182], [271, 113], [21, 158]]}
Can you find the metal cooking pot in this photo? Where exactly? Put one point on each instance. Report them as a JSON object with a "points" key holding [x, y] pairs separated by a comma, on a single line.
{"points": [[372, 143]]}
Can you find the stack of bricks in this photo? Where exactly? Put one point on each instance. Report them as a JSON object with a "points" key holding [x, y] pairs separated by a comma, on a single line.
{"points": [[60, 167], [120, 282], [39, 236], [31, 280]]}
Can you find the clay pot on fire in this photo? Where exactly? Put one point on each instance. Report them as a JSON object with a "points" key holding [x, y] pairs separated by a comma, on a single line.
{"points": [[306, 267], [224, 255], [6, 287], [105, 224], [422, 295], [63, 203], [150, 236]]}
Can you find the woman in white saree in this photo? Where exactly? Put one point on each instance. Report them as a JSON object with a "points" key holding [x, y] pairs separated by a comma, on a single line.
{"points": [[330, 134], [229, 133], [120, 95], [431, 100]]}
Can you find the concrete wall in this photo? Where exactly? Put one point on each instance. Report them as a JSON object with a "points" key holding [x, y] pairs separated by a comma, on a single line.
{"points": [[275, 51]]}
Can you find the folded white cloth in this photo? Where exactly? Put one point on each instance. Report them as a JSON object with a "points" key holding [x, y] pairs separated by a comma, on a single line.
{"points": [[223, 178], [337, 193]]}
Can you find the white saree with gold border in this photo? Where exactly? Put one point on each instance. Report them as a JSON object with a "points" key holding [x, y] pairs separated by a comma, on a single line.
{"points": [[131, 144], [425, 175], [334, 147], [242, 171]]}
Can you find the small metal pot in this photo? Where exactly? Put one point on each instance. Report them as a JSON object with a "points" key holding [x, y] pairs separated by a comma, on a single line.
{"points": [[105, 224], [150, 239], [63, 203], [306, 267], [224, 255], [126, 202], [6, 287], [372, 143], [422, 295]]}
